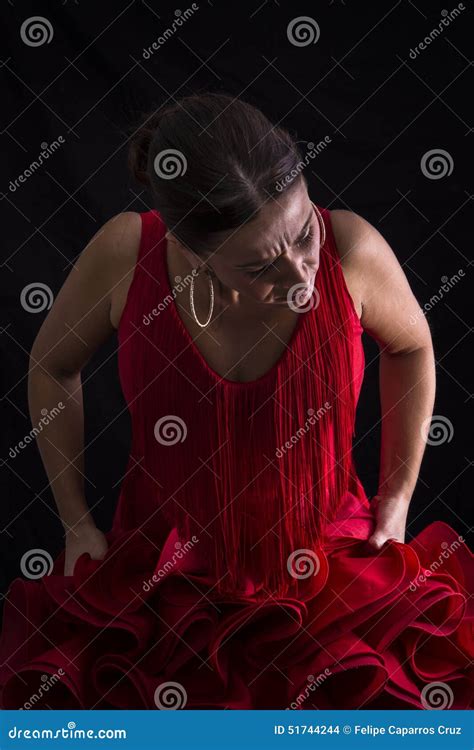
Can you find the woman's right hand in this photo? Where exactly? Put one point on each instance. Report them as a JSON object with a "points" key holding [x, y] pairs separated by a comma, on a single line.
{"points": [[83, 539]]}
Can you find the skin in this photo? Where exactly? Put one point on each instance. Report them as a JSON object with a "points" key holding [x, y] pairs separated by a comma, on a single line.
{"points": [[252, 320], [249, 331]]}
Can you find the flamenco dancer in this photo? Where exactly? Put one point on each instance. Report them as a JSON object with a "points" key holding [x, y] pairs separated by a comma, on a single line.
{"points": [[245, 566]]}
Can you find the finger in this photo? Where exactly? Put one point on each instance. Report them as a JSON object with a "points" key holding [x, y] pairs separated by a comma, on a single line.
{"points": [[376, 541], [396, 539]]}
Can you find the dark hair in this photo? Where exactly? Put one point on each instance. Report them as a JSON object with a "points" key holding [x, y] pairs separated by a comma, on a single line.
{"points": [[212, 161]]}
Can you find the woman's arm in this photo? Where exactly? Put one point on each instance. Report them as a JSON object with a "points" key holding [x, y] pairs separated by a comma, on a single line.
{"points": [[77, 324], [393, 317]]}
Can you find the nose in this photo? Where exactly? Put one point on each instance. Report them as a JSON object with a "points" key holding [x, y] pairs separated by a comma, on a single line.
{"points": [[297, 271]]}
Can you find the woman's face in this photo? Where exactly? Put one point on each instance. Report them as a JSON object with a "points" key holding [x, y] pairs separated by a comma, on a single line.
{"points": [[274, 258]]}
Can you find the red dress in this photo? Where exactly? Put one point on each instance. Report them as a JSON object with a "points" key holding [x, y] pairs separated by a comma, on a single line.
{"points": [[237, 574]]}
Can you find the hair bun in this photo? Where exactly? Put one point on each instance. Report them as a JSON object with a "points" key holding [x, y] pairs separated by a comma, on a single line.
{"points": [[139, 148], [211, 162]]}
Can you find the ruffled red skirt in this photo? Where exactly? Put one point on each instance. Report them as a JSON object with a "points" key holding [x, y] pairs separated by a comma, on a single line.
{"points": [[144, 628]]}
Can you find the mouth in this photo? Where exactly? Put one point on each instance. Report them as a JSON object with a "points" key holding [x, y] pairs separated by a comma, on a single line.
{"points": [[301, 296]]}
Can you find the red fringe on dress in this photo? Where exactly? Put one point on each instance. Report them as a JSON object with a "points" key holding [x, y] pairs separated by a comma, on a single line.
{"points": [[312, 391], [231, 482]]}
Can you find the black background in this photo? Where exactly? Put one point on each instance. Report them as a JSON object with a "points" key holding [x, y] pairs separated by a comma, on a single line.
{"points": [[358, 85]]}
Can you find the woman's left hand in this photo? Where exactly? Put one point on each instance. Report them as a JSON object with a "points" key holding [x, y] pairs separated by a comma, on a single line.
{"points": [[390, 517]]}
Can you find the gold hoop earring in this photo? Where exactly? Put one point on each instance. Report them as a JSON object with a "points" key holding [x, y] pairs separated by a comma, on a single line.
{"points": [[322, 227], [191, 300]]}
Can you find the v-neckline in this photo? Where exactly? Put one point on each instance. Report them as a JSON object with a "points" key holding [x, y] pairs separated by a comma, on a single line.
{"points": [[196, 351]]}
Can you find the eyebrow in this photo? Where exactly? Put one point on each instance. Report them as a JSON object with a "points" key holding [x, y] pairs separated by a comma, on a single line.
{"points": [[262, 262]]}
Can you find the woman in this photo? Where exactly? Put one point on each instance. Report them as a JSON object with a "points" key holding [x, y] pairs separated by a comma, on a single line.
{"points": [[246, 567]]}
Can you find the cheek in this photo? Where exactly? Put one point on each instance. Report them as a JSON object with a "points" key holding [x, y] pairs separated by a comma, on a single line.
{"points": [[258, 287], [251, 286]]}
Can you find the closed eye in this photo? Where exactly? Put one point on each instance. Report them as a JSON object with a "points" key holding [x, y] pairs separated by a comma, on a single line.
{"points": [[306, 239], [301, 243]]}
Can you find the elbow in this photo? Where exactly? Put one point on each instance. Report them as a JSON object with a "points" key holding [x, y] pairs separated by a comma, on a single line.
{"points": [[42, 364]]}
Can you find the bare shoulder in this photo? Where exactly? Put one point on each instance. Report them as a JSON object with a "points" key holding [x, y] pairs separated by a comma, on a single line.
{"points": [[377, 282], [347, 227], [119, 239], [113, 251], [121, 244], [88, 303]]}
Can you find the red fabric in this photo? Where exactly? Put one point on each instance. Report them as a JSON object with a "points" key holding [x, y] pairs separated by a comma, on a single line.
{"points": [[219, 613], [229, 454]]}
